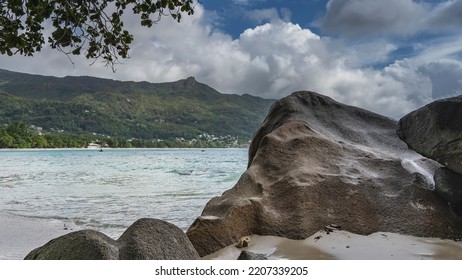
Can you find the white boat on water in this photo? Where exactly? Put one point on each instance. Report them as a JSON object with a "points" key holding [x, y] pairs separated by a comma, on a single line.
{"points": [[93, 145]]}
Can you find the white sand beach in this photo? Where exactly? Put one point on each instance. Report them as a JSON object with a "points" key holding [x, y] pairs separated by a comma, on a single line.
{"points": [[20, 235], [344, 245]]}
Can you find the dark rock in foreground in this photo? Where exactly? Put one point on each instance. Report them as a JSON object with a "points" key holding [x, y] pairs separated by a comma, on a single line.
{"points": [[435, 131], [151, 239], [79, 245], [246, 255], [316, 162], [146, 239]]}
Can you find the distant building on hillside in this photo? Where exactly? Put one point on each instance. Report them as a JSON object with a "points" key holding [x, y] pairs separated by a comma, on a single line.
{"points": [[93, 145]]}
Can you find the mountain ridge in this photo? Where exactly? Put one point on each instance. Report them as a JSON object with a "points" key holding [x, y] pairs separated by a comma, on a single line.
{"points": [[85, 104]]}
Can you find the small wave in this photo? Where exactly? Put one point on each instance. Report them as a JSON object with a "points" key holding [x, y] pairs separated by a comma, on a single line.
{"points": [[51, 217], [179, 195], [14, 202], [182, 172], [119, 226], [114, 189], [10, 178]]}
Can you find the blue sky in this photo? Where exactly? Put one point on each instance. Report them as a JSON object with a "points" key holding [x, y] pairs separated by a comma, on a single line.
{"points": [[233, 17], [390, 57]]}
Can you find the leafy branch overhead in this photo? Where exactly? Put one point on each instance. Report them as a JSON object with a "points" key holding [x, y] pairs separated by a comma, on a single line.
{"points": [[92, 27]]}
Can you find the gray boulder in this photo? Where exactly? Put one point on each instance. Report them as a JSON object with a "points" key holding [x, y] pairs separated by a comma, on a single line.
{"points": [[146, 239], [435, 131], [246, 255], [315, 162], [448, 184], [79, 245], [152, 239]]}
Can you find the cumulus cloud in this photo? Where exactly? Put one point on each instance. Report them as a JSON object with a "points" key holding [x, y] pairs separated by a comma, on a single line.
{"points": [[369, 17], [445, 76], [359, 18], [272, 61]]}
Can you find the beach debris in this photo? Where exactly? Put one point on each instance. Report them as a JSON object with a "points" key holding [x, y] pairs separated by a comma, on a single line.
{"points": [[243, 242], [316, 238]]}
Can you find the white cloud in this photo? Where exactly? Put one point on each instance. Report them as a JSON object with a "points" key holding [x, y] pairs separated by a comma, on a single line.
{"points": [[370, 17], [446, 77], [262, 15], [267, 15], [359, 18], [446, 47], [272, 61], [446, 14]]}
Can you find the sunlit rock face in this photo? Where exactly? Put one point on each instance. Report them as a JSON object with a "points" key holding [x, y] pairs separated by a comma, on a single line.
{"points": [[315, 162]]}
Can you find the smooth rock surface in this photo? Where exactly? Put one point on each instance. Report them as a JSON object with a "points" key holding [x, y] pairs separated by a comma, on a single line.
{"points": [[146, 239], [152, 239], [79, 245], [448, 184], [435, 131], [246, 255], [316, 162]]}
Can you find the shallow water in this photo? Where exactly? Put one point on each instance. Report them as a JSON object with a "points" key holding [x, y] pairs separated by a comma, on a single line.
{"points": [[109, 190]]}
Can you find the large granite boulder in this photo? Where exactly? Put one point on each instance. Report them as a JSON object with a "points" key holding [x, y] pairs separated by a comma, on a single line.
{"points": [[448, 184], [435, 131], [146, 239], [79, 245], [151, 239], [315, 162]]}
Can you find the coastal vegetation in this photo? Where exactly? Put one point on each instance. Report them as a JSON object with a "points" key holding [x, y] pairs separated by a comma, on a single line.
{"points": [[75, 111], [18, 135]]}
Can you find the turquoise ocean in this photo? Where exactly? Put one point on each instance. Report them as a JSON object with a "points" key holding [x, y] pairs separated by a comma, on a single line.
{"points": [[108, 191]]}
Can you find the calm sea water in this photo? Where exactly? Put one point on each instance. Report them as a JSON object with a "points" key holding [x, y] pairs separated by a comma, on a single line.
{"points": [[109, 190]]}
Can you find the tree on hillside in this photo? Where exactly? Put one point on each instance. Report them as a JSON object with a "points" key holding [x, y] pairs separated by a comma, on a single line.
{"points": [[6, 140], [92, 27]]}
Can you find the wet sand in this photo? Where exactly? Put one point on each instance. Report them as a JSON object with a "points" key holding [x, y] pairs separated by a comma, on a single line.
{"points": [[20, 235], [344, 245]]}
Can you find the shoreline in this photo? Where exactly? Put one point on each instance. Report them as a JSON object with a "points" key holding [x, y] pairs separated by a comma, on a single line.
{"points": [[104, 149], [20, 235]]}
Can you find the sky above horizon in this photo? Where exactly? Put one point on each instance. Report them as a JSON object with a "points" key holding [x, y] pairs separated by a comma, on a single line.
{"points": [[390, 57]]}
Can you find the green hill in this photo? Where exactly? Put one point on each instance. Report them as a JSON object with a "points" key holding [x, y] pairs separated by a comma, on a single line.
{"points": [[141, 110]]}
